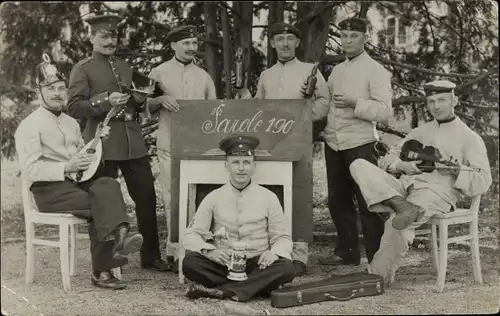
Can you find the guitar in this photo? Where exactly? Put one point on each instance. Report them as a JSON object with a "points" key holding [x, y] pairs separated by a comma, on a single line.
{"points": [[93, 148]]}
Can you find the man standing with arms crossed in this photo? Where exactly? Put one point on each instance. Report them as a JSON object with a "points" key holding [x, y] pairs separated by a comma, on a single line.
{"points": [[361, 97], [286, 80], [96, 85], [180, 79]]}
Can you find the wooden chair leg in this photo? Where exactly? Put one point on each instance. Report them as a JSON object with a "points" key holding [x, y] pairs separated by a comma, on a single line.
{"points": [[64, 255], [72, 258], [443, 255], [434, 245], [30, 252], [474, 247]]}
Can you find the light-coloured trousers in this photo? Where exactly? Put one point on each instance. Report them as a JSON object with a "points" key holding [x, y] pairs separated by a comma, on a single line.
{"points": [[377, 186], [165, 162]]}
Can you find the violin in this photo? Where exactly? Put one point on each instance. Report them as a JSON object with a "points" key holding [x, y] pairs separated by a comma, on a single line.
{"points": [[413, 150]]}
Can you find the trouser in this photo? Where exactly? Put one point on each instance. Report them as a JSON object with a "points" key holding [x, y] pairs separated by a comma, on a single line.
{"points": [[107, 210], [377, 186], [202, 270], [140, 185], [341, 192], [165, 161]]}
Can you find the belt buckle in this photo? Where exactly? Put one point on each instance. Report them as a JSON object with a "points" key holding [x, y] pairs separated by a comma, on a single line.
{"points": [[128, 117]]}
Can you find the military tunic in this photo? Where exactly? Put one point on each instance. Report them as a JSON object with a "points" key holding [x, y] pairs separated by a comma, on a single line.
{"points": [[183, 82], [45, 143], [350, 133], [92, 80]]}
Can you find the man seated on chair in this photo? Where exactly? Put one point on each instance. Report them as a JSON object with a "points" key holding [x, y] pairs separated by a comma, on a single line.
{"points": [[250, 214], [418, 195], [47, 143]]}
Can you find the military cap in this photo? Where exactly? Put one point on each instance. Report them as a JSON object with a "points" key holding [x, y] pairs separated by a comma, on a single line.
{"points": [[182, 32], [283, 28], [46, 73], [239, 145], [354, 24], [104, 22], [438, 86]]}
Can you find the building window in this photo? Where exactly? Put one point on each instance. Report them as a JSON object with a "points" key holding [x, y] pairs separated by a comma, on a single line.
{"points": [[397, 32]]}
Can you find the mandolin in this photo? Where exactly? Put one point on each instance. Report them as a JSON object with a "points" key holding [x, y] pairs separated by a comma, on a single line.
{"points": [[93, 148]]}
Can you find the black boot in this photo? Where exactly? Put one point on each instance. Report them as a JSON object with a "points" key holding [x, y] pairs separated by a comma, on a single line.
{"points": [[406, 213], [124, 244]]}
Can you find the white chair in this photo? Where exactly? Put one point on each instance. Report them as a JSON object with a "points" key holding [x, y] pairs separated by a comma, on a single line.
{"points": [[440, 254], [193, 172], [67, 231]]}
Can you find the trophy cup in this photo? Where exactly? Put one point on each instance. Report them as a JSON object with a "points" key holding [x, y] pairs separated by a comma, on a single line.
{"points": [[238, 262]]}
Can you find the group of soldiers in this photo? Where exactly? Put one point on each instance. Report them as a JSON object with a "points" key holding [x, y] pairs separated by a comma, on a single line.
{"points": [[356, 96]]}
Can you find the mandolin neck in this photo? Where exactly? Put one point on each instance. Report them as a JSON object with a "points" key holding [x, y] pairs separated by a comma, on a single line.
{"points": [[105, 123]]}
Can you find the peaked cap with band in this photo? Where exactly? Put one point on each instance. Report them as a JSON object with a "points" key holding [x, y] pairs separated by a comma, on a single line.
{"points": [[239, 145], [439, 86]]}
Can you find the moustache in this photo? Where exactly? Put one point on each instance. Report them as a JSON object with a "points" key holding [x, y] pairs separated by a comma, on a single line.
{"points": [[110, 46]]}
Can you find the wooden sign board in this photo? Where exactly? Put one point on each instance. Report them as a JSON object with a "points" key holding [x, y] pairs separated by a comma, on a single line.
{"points": [[281, 126]]}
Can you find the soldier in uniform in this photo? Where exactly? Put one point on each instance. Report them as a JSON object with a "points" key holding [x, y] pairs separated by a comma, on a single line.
{"points": [[361, 96], [286, 80], [180, 79], [417, 194], [250, 214], [97, 84], [48, 143]]}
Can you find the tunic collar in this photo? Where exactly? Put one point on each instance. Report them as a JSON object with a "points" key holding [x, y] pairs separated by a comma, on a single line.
{"points": [[288, 62], [446, 121], [180, 63], [185, 63], [100, 56], [241, 190], [357, 57], [50, 113]]}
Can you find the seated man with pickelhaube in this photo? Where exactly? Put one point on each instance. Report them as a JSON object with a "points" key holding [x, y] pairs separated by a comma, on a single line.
{"points": [[249, 214], [48, 144], [453, 163]]}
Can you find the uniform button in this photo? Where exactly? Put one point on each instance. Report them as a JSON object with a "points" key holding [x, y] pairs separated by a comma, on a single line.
{"points": [[106, 98], [93, 103], [98, 101]]}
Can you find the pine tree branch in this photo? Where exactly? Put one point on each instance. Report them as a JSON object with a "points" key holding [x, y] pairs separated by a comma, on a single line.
{"points": [[434, 42], [315, 13]]}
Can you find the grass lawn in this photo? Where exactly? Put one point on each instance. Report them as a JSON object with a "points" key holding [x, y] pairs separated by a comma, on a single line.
{"points": [[150, 293]]}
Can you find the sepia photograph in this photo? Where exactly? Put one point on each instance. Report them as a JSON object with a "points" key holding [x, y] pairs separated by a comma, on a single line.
{"points": [[249, 158]]}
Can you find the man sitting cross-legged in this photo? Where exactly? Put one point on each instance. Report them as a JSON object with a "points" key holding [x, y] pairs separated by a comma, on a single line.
{"points": [[251, 214], [416, 195], [47, 143]]}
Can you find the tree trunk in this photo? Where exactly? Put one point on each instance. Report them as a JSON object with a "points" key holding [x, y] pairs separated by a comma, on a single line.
{"points": [[276, 14], [313, 20], [226, 51], [363, 11], [211, 50]]}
